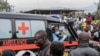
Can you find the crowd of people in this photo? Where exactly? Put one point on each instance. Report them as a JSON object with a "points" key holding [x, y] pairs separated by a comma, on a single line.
{"points": [[92, 29], [48, 48]]}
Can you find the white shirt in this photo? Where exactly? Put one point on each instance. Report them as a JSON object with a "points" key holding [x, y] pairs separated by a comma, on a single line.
{"points": [[79, 31], [91, 27], [96, 34]]}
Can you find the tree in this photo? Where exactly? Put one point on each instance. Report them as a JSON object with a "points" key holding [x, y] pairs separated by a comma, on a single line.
{"points": [[4, 6], [98, 11]]}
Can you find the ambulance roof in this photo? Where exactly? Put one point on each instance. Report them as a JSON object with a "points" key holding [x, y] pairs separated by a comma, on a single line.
{"points": [[26, 16]]}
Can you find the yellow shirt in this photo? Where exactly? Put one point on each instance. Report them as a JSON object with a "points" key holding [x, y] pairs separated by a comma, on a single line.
{"points": [[65, 54], [84, 25]]}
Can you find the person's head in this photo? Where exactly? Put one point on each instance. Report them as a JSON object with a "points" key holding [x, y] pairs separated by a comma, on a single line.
{"points": [[89, 14], [55, 29], [83, 37], [79, 18], [57, 49], [40, 38], [8, 52]]}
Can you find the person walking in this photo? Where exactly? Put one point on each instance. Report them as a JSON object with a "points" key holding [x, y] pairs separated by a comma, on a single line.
{"points": [[83, 48], [88, 19], [41, 40]]}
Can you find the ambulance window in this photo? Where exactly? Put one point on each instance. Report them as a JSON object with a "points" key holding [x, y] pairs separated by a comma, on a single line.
{"points": [[64, 34], [5, 28], [23, 28], [36, 26], [64, 31]]}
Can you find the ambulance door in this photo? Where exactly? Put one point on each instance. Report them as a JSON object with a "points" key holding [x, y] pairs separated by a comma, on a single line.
{"points": [[5, 32], [27, 28], [5, 28], [23, 28]]}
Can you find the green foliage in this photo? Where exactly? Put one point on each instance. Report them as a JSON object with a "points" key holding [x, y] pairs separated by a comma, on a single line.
{"points": [[4, 6], [96, 22]]}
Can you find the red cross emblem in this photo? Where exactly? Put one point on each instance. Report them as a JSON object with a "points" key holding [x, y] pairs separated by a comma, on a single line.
{"points": [[23, 28]]}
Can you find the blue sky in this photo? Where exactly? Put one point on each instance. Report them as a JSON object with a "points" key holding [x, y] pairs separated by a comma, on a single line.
{"points": [[25, 5]]}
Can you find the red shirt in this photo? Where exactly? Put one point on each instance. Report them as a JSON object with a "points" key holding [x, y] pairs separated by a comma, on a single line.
{"points": [[89, 18]]}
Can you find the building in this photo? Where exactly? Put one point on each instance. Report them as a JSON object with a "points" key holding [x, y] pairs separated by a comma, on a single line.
{"points": [[68, 12]]}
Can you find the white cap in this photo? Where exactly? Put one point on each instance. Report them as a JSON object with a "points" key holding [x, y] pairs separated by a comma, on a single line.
{"points": [[20, 53]]}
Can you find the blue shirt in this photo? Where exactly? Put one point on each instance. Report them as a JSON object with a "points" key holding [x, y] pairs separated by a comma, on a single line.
{"points": [[56, 38]]}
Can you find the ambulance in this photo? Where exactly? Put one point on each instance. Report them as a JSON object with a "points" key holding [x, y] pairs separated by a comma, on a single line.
{"points": [[17, 30]]}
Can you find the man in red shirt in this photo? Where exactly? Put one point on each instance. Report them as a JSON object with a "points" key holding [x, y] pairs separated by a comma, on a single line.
{"points": [[88, 19]]}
